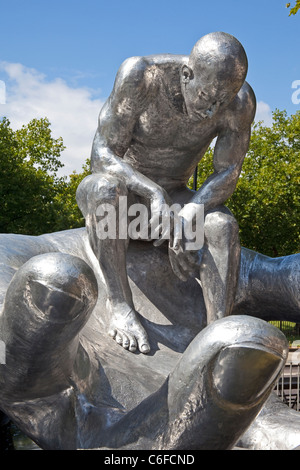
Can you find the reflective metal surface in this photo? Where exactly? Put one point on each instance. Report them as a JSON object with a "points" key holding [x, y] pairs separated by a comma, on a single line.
{"points": [[203, 376], [113, 398], [161, 116]]}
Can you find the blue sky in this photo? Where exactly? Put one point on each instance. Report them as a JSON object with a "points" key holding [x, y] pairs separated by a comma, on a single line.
{"points": [[59, 58]]}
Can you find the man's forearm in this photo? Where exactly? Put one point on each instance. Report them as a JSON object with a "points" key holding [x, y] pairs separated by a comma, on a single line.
{"points": [[217, 189], [105, 161]]}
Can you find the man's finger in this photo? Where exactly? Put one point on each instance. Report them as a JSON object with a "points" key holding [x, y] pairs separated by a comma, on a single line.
{"points": [[155, 231], [159, 242], [184, 263], [177, 269], [193, 258], [177, 237]]}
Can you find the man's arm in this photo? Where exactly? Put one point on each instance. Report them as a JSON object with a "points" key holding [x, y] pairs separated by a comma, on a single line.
{"points": [[230, 150], [131, 93]]}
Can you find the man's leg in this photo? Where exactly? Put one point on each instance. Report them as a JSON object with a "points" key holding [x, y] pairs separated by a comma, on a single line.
{"points": [[219, 270], [125, 328]]}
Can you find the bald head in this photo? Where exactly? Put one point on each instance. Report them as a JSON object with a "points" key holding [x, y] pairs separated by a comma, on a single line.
{"points": [[220, 57], [215, 72]]}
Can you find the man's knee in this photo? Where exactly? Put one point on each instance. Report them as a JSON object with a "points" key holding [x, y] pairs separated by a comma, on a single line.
{"points": [[221, 227], [95, 190]]}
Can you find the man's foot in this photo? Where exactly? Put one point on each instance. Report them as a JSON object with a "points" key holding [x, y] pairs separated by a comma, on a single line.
{"points": [[127, 331]]}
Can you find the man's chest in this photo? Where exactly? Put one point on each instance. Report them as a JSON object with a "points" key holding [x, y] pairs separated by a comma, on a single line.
{"points": [[161, 125]]}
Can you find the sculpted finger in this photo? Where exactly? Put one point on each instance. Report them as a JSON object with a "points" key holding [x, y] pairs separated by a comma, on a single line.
{"points": [[188, 264], [233, 372], [155, 231], [42, 326], [159, 242], [165, 230], [193, 258], [185, 265], [177, 270], [163, 235], [176, 240]]}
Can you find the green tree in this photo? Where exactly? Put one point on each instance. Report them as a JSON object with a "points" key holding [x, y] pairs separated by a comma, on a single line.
{"points": [[70, 215], [293, 10], [266, 202], [33, 200], [29, 160]]}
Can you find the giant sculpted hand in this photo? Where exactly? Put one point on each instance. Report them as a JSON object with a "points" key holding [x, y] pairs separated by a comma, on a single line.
{"points": [[200, 388]]}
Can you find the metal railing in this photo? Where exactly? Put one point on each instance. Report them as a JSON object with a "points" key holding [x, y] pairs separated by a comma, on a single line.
{"points": [[287, 386], [288, 328]]}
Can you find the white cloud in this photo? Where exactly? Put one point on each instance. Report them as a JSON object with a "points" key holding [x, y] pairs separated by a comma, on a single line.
{"points": [[72, 112], [2, 92], [263, 113]]}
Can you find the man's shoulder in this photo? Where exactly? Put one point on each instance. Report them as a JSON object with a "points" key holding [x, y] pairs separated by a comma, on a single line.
{"points": [[241, 111], [136, 67], [139, 74], [132, 68]]}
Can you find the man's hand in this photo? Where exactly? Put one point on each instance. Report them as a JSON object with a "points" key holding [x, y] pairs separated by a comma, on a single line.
{"points": [[184, 262], [178, 230], [161, 221]]}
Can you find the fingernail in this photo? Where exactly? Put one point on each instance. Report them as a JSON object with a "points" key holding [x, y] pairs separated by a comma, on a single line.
{"points": [[145, 348], [242, 373]]}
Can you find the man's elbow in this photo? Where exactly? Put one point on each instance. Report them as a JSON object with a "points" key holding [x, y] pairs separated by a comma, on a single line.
{"points": [[230, 179]]}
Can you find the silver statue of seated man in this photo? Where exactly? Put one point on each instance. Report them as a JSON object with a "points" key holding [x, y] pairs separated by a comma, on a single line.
{"points": [[162, 115], [63, 380]]}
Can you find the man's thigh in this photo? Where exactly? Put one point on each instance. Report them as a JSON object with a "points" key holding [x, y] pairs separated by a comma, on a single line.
{"points": [[97, 189]]}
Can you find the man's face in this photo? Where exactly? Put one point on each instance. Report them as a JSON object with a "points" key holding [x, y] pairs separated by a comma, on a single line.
{"points": [[204, 94]]}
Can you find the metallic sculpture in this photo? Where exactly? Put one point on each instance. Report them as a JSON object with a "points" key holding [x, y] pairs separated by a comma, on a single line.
{"points": [[204, 376], [163, 113]]}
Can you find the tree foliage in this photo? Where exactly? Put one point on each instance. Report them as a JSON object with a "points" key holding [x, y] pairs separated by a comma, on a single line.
{"points": [[33, 200], [70, 215], [266, 202], [294, 9]]}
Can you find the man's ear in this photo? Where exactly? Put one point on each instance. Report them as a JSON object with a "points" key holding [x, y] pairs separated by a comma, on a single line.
{"points": [[186, 74]]}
